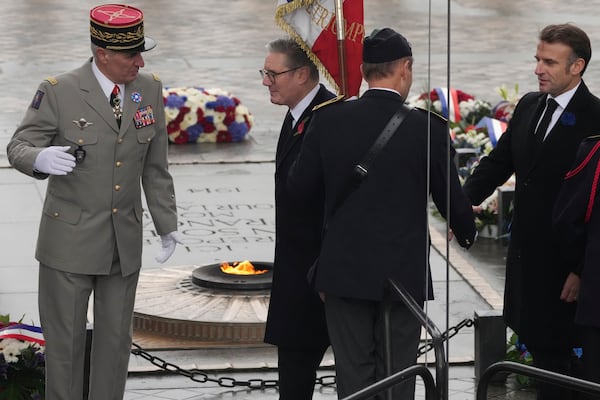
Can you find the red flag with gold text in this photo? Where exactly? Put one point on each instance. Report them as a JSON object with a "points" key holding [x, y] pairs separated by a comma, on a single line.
{"points": [[312, 23]]}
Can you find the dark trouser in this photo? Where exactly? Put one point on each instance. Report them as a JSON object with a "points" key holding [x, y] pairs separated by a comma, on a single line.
{"points": [[590, 336], [297, 372], [556, 359], [356, 330]]}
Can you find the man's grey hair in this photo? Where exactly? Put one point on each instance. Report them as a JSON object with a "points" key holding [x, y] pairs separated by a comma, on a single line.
{"points": [[295, 56]]}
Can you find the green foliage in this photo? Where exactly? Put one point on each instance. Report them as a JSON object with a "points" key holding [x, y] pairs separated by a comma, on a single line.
{"points": [[517, 352], [22, 367]]}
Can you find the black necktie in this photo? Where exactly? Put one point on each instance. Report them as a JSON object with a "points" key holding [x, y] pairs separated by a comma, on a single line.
{"points": [[284, 135], [115, 102], [540, 132], [288, 121]]}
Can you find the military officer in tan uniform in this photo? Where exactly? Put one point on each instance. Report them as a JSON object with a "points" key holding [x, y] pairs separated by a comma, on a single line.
{"points": [[98, 134]]}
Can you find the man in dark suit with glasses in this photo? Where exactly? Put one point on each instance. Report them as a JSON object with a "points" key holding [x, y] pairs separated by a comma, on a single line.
{"points": [[296, 320]]}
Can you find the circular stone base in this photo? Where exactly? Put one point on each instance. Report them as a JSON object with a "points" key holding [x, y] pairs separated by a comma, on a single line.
{"points": [[168, 303]]}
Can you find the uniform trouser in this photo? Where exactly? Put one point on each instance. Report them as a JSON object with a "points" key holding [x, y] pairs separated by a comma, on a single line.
{"points": [[356, 331], [297, 370], [63, 302], [556, 359]]}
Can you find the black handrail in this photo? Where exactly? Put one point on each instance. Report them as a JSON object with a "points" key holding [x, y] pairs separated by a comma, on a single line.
{"points": [[441, 366], [434, 390], [395, 379], [555, 378]]}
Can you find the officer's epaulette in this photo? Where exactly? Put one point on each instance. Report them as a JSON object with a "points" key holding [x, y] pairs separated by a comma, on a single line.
{"points": [[156, 77], [52, 80], [435, 114], [330, 101]]}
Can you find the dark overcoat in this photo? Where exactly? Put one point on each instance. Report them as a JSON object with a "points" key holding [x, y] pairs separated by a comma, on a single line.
{"points": [[534, 274], [577, 224], [381, 229], [296, 318]]}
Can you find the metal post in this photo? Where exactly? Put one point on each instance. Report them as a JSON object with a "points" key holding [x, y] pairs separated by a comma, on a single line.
{"points": [[490, 340], [387, 323], [86, 366]]}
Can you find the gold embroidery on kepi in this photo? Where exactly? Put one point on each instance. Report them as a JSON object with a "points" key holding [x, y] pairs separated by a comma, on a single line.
{"points": [[119, 27]]}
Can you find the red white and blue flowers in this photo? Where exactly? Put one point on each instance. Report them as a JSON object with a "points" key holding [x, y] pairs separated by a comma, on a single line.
{"points": [[22, 361], [197, 115], [477, 126]]}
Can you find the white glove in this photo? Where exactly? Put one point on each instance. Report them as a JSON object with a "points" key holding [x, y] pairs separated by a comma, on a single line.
{"points": [[54, 160], [168, 243]]}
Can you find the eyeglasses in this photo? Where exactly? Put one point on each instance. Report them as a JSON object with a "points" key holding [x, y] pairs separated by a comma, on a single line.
{"points": [[272, 75]]}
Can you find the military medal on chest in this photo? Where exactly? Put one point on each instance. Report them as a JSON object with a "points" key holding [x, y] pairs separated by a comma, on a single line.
{"points": [[115, 102]]}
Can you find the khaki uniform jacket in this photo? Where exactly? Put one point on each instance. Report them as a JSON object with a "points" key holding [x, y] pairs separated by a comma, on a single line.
{"points": [[98, 205]]}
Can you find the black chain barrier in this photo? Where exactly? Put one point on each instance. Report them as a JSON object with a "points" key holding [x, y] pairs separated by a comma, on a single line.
{"points": [[199, 376]]}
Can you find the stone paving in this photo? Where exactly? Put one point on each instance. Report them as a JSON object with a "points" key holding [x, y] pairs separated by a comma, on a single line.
{"points": [[216, 43]]}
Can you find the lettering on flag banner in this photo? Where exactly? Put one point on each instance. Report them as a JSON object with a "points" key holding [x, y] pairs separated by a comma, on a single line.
{"points": [[28, 333], [312, 23], [495, 128]]}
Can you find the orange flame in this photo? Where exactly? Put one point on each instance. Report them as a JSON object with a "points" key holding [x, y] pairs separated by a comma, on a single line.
{"points": [[241, 268]]}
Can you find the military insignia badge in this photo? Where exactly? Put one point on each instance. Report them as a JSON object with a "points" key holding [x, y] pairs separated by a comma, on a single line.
{"points": [[37, 99], [136, 97], [82, 123], [143, 117]]}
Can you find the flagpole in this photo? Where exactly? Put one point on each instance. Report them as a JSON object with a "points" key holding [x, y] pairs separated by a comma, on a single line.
{"points": [[339, 22]]}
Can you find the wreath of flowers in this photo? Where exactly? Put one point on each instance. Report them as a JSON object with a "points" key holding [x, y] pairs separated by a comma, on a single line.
{"points": [[469, 130], [471, 110], [22, 365], [198, 115]]}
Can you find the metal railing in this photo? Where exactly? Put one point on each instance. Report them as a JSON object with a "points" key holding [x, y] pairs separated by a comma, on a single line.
{"points": [[555, 378], [398, 377], [437, 389]]}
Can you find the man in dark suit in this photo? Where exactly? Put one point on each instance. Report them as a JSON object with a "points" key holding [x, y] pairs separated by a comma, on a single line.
{"points": [[540, 290], [380, 230], [96, 156], [577, 224], [296, 320]]}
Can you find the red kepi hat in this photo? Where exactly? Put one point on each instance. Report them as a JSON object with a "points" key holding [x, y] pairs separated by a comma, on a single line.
{"points": [[119, 27]]}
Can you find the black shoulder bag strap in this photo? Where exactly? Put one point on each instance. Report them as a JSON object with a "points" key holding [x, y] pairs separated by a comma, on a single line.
{"points": [[361, 170]]}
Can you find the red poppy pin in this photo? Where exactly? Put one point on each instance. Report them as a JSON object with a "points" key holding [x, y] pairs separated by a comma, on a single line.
{"points": [[300, 127]]}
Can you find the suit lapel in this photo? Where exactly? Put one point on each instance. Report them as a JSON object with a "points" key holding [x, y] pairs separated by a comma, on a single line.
{"points": [[288, 138], [561, 132], [533, 121], [131, 106]]}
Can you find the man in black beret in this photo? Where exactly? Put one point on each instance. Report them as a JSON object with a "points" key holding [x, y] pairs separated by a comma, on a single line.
{"points": [[377, 225]]}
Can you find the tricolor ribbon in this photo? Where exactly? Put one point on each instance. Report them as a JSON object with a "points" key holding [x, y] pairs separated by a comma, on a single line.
{"points": [[495, 128], [24, 332], [451, 109]]}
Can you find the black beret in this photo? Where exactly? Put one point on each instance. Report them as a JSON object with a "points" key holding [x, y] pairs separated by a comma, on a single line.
{"points": [[384, 45]]}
